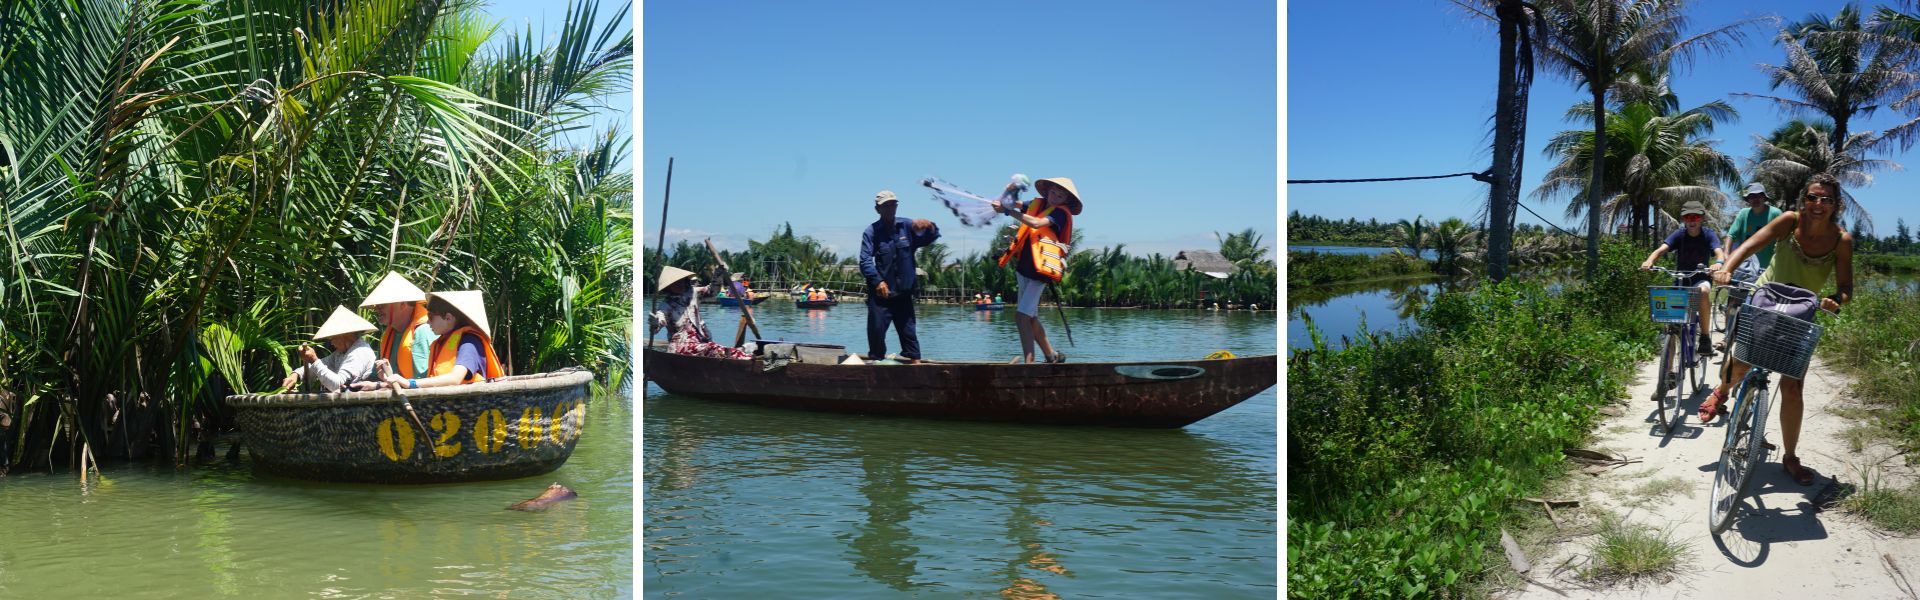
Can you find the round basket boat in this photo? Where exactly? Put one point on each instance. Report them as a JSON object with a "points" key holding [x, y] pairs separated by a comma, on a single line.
{"points": [[510, 427]]}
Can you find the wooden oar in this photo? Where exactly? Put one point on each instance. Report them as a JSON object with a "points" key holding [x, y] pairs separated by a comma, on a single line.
{"points": [[660, 249], [746, 304], [1063, 315]]}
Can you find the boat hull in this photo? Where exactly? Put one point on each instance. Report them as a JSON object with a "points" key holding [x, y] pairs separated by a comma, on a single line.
{"points": [[814, 303], [1142, 394], [986, 307], [504, 429], [732, 301]]}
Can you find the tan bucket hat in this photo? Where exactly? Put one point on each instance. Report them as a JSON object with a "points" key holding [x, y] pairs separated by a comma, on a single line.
{"points": [[884, 197], [1064, 183], [671, 275], [469, 305], [343, 321], [393, 288]]}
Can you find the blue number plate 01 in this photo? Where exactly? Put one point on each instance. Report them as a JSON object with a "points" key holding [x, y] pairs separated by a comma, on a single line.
{"points": [[1669, 304]]}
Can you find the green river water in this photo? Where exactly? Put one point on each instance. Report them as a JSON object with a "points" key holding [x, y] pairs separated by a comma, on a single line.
{"points": [[752, 502], [221, 531]]}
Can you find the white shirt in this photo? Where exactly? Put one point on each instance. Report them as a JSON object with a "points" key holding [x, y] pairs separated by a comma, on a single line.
{"points": [[341, 368]]}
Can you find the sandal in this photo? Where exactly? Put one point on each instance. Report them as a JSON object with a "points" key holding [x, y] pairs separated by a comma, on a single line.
{"points": [[1711, 408], [1057, 358], [1800, 475]]}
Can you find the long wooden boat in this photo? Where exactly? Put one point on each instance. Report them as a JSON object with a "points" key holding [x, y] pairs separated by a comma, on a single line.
{"points": [[989, 306], [814, 303], [1134, 394], [510, 427]]}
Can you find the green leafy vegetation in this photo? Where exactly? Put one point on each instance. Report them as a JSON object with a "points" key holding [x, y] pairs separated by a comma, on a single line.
{"points": [[191, 186], [1096, 276], [1314, 268], [1406, 453]]}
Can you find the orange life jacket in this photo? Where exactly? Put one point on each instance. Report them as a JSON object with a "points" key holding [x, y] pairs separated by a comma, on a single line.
{"points": [[401, 357], [447, 348], [1047, 248]]}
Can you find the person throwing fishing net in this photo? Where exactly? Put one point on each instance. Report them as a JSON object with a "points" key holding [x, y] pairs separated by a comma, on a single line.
{"points": [[1039, 249]]}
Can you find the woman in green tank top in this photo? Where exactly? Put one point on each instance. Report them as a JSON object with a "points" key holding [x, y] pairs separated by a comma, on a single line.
{"points": [[1808, 248]]}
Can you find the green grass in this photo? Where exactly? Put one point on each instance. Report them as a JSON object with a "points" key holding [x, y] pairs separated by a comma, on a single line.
{"points": [[1896, 510], [1877, 340], [1659, 489], [1627, 551]]}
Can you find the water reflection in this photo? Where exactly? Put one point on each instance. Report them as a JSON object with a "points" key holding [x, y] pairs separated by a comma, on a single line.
{"points": [[942, 505]]}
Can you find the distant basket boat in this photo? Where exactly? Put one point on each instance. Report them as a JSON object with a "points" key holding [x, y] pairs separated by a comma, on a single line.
{"points": [[1134, 394], [815, 303], [989, 306], [732, 301], [511, 427]]}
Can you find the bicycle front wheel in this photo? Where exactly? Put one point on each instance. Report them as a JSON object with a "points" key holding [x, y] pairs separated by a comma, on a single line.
{"points": [[1666, 378], [1740, 454]]}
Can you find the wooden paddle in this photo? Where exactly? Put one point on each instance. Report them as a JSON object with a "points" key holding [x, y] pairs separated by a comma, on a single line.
{"points": [[660, 249], [1063, 315], [739, 293]]}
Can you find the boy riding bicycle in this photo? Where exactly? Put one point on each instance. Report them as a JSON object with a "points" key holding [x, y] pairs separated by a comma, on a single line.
{"points": [[1692, 245]]}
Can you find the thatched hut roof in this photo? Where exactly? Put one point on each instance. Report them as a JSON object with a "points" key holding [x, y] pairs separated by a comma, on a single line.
{"points": [[1205, 261]]}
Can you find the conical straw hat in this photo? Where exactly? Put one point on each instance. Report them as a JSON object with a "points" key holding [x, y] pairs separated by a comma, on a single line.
{"points": [[343, 321], [1064, 183], [469, 304], [393, 288], [669, 275]]}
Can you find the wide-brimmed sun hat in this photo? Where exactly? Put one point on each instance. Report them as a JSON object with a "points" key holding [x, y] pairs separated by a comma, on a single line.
{"points": [[1065, 184], [343, 321], [469, 304], [393, 288], [1693, 208], [670, 276], [884, 197], [1756, 189]]}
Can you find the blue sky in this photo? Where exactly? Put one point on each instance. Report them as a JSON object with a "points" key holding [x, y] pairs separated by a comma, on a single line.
{"points": [[1408, 90], [545, 17], [1162, 113]]}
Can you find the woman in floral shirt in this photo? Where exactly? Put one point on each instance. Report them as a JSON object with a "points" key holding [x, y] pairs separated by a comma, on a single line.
{"points": [[680, 312]]}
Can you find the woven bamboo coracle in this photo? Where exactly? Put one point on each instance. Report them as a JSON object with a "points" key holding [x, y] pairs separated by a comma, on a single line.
{"points": [[510, 427]]}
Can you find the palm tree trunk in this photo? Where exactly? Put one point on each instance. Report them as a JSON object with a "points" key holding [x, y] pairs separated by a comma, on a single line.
{"points": [[1506, 143], [1599, 170]]}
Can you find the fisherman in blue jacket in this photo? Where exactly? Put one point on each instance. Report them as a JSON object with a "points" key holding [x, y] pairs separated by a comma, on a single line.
{"points": [[886, 259]]}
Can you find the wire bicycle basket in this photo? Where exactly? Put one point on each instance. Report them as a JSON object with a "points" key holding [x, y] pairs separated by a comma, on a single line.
{"points": [[1774, 341]]}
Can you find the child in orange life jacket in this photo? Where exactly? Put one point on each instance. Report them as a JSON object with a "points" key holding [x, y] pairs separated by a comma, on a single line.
{"points": [[1039, 250], [464, 351]]}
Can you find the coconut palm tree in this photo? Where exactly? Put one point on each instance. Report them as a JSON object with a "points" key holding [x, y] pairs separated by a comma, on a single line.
{"points": [[1411, 235], [1451, 238], [1839, 67], [1519, 24], [1666, 162], [1594, 42], [1795, 151]]}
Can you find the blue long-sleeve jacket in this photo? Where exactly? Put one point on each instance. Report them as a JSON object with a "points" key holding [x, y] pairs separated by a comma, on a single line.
{"points": [[888, 255]]}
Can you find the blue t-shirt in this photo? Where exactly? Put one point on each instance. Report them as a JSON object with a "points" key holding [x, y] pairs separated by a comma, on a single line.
{"points": [[1692, 252], [468, 355]]}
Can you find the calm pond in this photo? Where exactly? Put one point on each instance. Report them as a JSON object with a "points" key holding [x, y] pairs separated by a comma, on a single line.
{"points": [[751, 502], [219, 530], [1339, 310]]}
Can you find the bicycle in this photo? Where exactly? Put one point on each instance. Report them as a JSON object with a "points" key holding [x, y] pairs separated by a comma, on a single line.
{"points": [[1679, 358], [1735, 295], [1771, 342]]}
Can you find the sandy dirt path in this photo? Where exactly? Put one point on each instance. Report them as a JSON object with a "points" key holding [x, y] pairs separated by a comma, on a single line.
{"points": [[1790, 542]]}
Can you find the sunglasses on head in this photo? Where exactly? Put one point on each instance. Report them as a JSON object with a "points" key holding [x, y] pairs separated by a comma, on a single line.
{"points": [[1813, 199]]}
